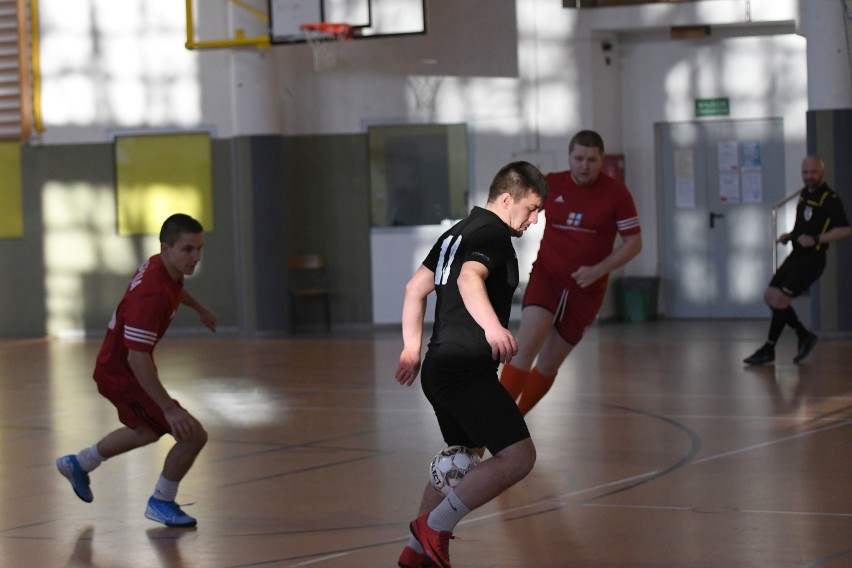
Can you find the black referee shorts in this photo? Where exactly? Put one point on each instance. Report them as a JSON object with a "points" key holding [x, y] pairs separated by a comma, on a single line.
{"points": [[798, 272]]}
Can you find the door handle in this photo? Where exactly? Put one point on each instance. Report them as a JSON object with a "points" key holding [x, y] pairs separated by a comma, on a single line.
{"points": [[713, 217]]}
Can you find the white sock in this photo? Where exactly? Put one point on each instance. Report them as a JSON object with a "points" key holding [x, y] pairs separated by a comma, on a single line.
{"points": [[415, 544], [448, 513], [90, 458], [166, 490]]}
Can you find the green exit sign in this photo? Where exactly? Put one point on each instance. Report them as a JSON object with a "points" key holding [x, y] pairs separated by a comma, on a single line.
{"points": [[720, 106]]}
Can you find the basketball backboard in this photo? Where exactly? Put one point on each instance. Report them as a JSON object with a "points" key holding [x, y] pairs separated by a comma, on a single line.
{"points": [[367, 18]]}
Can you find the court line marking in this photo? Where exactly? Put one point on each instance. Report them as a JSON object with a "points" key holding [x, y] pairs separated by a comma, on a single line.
{"points": [[773, 442], [825, 560], [721, 510], [561, 499]]}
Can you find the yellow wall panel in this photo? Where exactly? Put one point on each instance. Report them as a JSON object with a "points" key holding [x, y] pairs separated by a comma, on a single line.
{"points": [[11, 192], [161, 174]]}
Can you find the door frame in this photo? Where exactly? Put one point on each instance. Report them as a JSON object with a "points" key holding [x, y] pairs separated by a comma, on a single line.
{"points": [[716, 270]]}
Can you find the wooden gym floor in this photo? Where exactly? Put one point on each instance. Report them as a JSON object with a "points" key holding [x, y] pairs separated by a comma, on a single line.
{"points": [[657, 448]]}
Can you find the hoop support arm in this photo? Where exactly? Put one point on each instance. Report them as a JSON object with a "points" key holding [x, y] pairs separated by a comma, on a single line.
{"points": [[238, 40]]}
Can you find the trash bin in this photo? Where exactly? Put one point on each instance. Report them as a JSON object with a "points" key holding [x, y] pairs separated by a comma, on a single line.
{"points": [[637, 297]]}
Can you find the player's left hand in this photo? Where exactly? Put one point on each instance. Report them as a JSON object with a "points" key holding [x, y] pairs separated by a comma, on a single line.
{"points": [[586, 275], [409, 366], [208, 318], [502, 342], [183, 425]]}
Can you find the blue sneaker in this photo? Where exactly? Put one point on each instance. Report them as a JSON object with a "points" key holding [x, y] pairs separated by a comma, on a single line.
{"points": [[79, 478], [168, 513]]}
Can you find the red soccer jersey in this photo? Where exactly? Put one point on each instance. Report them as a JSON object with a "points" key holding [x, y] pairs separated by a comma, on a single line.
{"points": [[139, 322], [581, 224]]}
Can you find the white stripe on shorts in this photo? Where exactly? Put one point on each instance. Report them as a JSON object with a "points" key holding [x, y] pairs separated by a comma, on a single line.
{"points": [[560, 308]]}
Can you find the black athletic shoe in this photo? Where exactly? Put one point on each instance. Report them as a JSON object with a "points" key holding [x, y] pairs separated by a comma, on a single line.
{"points": [[765, 354], [806, 344]]}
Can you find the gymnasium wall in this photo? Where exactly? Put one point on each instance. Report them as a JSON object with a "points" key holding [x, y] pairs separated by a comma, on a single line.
{"points": [[828, 136], [309, 194], [272, 196]]}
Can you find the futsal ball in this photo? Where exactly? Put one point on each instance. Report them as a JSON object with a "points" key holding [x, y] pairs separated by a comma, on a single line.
{"points": [[450, 466]]}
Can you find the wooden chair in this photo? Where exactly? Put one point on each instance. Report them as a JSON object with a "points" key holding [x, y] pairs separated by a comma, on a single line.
{"points": [[308, 278]]}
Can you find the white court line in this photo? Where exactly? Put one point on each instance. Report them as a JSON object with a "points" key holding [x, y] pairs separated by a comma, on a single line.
{"points": [[652, 473], [773, 442], [559, 499], [794, 513], [320, 559], [731, 510]]}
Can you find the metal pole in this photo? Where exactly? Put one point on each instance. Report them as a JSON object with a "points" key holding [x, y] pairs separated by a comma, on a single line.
{"points": [[774, 226]]}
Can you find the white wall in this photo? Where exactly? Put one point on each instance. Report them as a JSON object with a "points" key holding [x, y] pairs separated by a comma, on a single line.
{"points": [[687, 70], [642, 79], [507, 72], [523, 74], [108, 66]]}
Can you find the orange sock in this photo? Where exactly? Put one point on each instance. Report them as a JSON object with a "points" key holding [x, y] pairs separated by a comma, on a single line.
{"points": [[534, 390], [513, 380]]}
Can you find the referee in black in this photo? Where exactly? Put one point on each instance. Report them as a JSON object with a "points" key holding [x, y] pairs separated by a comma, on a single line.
{"points": [[473, 269], [820, 219]]}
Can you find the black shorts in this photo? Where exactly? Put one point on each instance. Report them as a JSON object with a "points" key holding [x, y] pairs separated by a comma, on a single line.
{"points": [[798, 272], [472, 407]]}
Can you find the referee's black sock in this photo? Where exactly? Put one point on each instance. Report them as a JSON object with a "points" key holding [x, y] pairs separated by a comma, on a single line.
{"points": [[793, 321], [776, 325]]}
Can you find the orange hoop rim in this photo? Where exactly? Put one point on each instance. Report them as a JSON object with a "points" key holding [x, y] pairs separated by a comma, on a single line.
{"points": [[329, 28]]}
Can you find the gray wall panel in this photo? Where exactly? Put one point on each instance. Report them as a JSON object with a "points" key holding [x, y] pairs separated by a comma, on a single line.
{"points": [[272, 196]]}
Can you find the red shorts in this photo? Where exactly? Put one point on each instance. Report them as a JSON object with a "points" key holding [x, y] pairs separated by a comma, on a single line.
{"points": [[135, 407], [573, 309]]}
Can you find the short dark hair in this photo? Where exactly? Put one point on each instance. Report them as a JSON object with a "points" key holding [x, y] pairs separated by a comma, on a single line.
{"points": [[517, 179], [176, 225], [587, 138]]}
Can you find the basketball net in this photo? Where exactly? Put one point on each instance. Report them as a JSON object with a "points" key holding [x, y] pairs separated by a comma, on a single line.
{"points": [[425, 89], [324, 40]]}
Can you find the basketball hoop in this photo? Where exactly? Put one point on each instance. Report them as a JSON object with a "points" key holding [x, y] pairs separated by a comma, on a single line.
{"points": [[425, 89], [324, 39]]}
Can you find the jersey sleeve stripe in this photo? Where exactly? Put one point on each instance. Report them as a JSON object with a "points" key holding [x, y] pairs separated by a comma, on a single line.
{"points": [[630, 223], [140, 335]]}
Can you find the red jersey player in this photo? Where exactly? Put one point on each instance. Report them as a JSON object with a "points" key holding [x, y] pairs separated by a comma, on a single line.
{"points": [[127, 376], [584, 212]]}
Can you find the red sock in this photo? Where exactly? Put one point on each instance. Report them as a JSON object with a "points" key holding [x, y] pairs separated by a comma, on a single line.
{"points": [[534, 390], [513, 380]]}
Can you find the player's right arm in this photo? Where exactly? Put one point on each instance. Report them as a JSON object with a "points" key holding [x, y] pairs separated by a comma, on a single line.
{"points": [[471, 284], [145, 371], [413, 310]]}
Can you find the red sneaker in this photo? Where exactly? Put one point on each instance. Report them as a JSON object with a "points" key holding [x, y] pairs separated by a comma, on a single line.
{"points": [[436, 544], [410, 558]]}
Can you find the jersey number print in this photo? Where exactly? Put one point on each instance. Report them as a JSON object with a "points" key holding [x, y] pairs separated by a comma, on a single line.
{"points": [[445, 260]]}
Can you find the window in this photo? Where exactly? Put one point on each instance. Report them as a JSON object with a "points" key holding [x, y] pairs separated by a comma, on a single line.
{"points": [[418, 174]]}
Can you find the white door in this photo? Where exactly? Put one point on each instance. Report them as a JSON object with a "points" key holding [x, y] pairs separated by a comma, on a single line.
{"points": [[719, 181]]}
